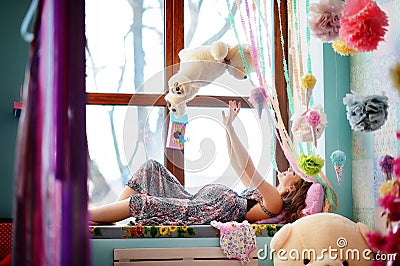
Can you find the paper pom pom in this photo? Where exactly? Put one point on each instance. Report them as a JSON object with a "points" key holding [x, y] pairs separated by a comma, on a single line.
{"points": [[395, 75], [366, 114], [258, 99], [310, 165], [363, 25], [386, 164], [308, 81], [301, 129], [340, 47], [325, 18], [313, 118]]}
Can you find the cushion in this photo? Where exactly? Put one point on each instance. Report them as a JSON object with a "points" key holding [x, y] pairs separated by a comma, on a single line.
{"points": [[314, 199], [314, 204]]}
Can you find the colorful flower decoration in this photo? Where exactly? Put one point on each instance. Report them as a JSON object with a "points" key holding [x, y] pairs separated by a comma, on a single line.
{"points": [[340, 47], [366, 114], [310, 165], [325, 18], [259, 99], [338, 159], [308, 82], [386, 164], [395, 75], [363, 25]]}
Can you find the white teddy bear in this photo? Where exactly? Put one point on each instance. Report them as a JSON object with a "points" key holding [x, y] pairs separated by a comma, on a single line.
{"points": [[201, 66]]}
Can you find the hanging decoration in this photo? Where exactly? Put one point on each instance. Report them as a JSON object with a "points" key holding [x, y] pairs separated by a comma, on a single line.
{"points": [[311, 165], [308, 82], [386, 164], [363, 25], [259, 99], [176, 132], [311, 129], [366, 114], [250, 21], [313, 119], [325, 19], [338, 159], [340, 47]]}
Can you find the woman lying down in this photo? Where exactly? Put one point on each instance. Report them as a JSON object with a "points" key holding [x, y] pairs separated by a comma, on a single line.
{"points": [[153, 196]]}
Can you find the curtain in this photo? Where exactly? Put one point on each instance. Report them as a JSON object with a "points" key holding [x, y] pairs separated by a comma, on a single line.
{"points": [[50, 205]]}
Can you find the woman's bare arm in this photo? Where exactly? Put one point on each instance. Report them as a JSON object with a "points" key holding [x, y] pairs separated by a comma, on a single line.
{"points": [[244, 165]]}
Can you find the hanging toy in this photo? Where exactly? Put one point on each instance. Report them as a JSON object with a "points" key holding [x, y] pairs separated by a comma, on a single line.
{"points": [[259, 99], [308, 82], [313, 119], [176, 132], [338, 159]]}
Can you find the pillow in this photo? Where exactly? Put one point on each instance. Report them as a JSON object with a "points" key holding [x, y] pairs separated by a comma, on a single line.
{"points": [[314, 204], [314, 199]]}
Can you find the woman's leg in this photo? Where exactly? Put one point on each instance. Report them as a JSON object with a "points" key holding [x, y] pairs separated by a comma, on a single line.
{"points": [[153, 178], [126, 193], [110, 213]]}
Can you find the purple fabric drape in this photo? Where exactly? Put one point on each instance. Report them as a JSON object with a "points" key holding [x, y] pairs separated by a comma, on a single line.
{"points": [[50, 206]]}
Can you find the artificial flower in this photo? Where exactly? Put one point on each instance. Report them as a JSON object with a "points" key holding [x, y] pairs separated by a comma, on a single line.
{"points": [[340, 47], [396, 166], [310, 165], [363, 25], [325, 18]]}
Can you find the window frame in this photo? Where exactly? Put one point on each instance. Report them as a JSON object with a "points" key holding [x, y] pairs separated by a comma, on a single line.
{"points": [[174, 42]]}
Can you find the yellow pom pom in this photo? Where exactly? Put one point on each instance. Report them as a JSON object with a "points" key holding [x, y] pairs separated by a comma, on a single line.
{"points": [[395, 74], [341, 48], [308, 81]]}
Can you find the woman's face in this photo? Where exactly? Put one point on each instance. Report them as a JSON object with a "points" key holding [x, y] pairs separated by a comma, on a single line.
{"points": [[287, 181]]}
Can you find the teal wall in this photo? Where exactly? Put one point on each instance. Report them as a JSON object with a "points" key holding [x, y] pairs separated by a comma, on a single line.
{"points": [[338, 132], [13, 54]]}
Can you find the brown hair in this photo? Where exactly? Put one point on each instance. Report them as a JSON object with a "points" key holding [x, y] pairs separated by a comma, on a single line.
{"points": [[295, 202]]}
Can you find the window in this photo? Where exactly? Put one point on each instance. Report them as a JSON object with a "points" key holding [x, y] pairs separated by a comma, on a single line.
{"points": [[132, 50]]}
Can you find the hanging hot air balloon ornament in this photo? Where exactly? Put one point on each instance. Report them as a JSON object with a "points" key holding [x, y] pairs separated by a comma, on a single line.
{"points": [[338, 159]]}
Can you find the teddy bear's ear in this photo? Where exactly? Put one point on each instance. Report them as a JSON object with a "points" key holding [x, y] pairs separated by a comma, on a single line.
{"points": [[219, 50], [364, 229], [281, 237]]}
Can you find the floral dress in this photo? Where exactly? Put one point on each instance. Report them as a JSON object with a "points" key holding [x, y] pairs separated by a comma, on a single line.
{"points": [[161, 199]]}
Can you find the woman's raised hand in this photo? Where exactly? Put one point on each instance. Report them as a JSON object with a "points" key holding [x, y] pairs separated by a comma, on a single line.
{"points": [[234, 109]]}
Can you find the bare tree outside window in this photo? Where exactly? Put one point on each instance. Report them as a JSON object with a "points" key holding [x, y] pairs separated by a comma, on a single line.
{"points": [[125, 49]]}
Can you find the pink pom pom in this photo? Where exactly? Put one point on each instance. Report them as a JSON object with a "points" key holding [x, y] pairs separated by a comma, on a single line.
{"points": [[363, 25], [313, 118]]}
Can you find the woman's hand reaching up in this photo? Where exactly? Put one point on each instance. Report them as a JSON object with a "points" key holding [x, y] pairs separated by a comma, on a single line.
{"points": [[234, 109]]}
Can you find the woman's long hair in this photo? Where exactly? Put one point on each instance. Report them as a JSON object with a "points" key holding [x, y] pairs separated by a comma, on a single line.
{"points": [[295, 202]]}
